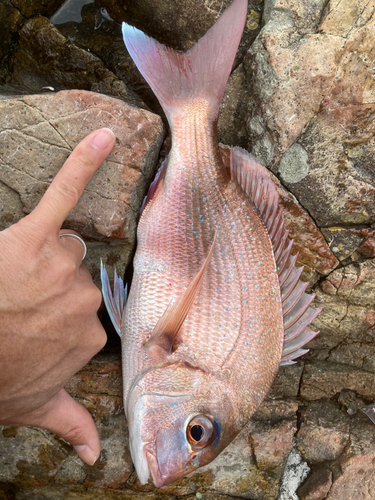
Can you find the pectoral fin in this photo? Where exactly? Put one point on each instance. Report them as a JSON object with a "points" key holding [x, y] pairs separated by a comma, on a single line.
{"points": [[166, 329]]}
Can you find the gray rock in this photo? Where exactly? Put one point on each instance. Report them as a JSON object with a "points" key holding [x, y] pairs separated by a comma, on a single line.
{"points": [[263, 150], [294, 164]]}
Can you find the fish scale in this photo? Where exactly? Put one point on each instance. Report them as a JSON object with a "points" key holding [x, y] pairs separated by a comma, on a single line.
{"points": [[203, 328], [235, 241]]}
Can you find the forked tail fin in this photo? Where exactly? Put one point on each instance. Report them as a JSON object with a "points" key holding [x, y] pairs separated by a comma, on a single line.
{"points": [[201, 72]]}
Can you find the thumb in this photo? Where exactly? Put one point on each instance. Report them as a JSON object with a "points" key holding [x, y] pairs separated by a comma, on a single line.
{"points": [[71, 421]]}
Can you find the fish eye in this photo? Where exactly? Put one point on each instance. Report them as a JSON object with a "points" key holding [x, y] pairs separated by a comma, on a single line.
{"points": [[200, 431]]}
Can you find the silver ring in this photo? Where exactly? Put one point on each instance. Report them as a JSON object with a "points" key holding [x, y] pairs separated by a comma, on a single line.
{"points": [[70, 235]]}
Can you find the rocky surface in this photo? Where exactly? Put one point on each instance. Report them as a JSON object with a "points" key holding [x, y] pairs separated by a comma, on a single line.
{"points": [[301, 98], [37, 133], [46, 59]]}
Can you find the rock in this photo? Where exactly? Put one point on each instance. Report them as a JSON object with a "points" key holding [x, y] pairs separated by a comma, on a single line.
{"points": [[287, 382], [173, 24], [251, 466], [233, 110], [356, 465], [11, 20], [38, 132], [32, 8], [314, 253], [314, 92], [324, 432], [45, 58], [292, 69], [347, 321], [344, 242], [98, 34], [324, 380], [295, 472], [10, 206], [41, 131], [367, 249], [316, 486]]}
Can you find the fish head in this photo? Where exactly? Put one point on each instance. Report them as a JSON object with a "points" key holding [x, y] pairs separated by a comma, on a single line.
{"points": [[180, 418]]}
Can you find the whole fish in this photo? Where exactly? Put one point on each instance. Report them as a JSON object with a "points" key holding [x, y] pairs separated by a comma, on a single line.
{"points": [[216, 303]]}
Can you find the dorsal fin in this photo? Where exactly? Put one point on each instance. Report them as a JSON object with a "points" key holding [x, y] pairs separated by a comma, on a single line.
{"points": [[257, 183], [166, 329], [115, 302]]}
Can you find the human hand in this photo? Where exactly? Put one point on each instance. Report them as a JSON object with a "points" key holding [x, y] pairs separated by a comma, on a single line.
{"points": [[49, 328]]}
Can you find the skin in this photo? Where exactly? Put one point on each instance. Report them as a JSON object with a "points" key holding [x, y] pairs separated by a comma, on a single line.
{"points": [[42, 277]]}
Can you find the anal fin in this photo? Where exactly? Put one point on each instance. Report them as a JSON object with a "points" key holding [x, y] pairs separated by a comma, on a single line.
{"points": [[115, 302]]}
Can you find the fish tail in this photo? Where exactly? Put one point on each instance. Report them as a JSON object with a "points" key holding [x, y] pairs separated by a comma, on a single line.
{"points": [[202, 72]]}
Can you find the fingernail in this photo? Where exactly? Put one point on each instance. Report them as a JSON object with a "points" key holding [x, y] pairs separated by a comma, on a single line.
{"points": [[86, 454], [103, 138]]}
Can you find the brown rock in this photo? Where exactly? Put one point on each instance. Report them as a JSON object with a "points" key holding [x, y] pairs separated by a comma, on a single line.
{"points": [[38, 132], [233, 110], [316, 486], [347, 321], [45, 58], [324, 432], [172, 23], [287, 382], [32, 8], [343, 242], [356, 477], [98, 34], [314, 94], [82, 492], [41, 132], [323, 380], [367, 249], [30, 456], [11, 20], [10, 207], [340, 138], [314, 253], [293, 69]]}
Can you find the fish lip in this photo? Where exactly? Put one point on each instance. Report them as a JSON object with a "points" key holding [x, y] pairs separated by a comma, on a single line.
{"points": [[153, 467]]}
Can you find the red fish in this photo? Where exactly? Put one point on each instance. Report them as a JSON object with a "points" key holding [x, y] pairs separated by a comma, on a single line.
{"points": [[216, 303]]}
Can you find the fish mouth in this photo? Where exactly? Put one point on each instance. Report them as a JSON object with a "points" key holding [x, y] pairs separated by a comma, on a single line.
{"points": [[153, 466]]}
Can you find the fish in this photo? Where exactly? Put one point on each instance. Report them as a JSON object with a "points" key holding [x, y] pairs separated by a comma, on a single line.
{"points": [[216, 303]]}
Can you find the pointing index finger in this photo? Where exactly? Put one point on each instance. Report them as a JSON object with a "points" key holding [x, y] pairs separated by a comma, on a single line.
{"points": [[68, 185]]}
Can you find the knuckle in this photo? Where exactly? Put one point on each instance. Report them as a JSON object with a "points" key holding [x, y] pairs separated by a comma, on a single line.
{"points": [[96, 297], [84, 158], [74, 435], [100, 339], [68, 191], [66, 269], [90, 298]]}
